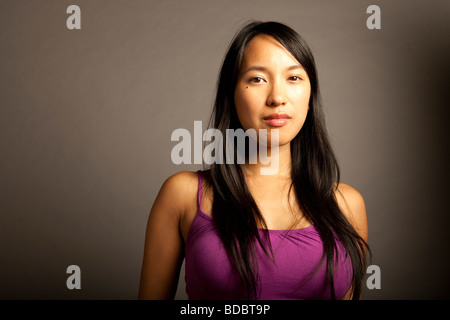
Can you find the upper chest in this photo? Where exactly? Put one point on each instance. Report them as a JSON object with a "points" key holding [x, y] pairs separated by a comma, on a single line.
{"points": [[276, 201]]}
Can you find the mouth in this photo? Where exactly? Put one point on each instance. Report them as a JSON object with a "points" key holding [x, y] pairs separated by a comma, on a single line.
{"points": [[277, 119]]}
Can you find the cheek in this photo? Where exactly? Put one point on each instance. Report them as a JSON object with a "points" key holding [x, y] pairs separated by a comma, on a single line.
{"points": [[301, 97], [301, 101], [301, 106], [246, 107]]}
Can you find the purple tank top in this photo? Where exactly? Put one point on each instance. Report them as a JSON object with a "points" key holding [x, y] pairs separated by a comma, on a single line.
{"points": [[298, 271]]}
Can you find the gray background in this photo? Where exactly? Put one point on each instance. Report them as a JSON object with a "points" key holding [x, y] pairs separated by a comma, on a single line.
{"points": [[86, 117]]}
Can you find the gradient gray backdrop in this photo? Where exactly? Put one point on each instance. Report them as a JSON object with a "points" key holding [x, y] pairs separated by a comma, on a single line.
{"points": [[86, 118]]}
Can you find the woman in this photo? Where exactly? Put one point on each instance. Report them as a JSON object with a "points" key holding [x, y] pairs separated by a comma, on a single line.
{"points": [[294, 234]]}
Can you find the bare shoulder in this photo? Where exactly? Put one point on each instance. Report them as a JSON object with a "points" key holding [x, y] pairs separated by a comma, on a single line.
{"points": [[349, 195], [353, 207], [163, 251], [181, 188], [181, 180]]}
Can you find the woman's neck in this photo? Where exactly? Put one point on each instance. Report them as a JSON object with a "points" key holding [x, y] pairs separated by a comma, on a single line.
{"points": [[280, 169]]}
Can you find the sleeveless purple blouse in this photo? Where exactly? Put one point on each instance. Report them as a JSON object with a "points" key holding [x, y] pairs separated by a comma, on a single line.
{"points": [[298, 272]]}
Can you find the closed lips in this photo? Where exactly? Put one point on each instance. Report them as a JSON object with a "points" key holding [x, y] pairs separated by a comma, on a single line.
{"points": [[277, 116], [277, 119]]}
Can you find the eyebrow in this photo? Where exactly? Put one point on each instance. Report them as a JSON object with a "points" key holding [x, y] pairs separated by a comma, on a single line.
{"points": [[262, 68]]}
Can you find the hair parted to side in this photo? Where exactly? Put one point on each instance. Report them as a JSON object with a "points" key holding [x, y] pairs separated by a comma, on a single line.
{"points": [[315, 172]]}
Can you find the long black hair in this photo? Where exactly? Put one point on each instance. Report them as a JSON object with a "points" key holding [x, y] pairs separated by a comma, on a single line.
{"points": [[315, 172]]}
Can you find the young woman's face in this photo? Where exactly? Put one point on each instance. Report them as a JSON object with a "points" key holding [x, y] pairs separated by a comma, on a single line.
{"points": [[272, 90]]}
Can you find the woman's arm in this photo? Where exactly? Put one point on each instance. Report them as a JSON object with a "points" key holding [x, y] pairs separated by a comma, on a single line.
{"points": [[164, 245], [353, 207]]}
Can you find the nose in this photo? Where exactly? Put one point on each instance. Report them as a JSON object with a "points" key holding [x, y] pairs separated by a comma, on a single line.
{"points": [[277, 95]]}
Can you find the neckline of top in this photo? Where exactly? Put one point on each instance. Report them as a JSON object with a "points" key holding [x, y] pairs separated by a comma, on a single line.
{"points": [[204, 214]]}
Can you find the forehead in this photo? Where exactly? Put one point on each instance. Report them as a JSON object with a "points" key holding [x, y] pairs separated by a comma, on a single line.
{"points": [[266, 51]]}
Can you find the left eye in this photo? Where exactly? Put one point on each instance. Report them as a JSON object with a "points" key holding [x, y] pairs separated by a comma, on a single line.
{"points": [[295, 78]]}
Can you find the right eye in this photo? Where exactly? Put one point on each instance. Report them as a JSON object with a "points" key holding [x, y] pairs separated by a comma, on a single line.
{"points": [[256, 80]]}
